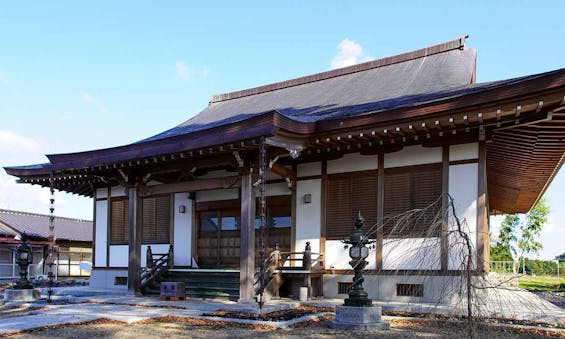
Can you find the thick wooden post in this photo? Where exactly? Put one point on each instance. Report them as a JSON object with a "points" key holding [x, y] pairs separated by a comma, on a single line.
{"points": [[444, 257], [247, 242], [380, 209], [134, 265], [483, 245]]}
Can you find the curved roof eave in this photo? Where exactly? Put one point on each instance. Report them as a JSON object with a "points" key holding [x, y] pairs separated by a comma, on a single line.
{"points": [[268, 123]]}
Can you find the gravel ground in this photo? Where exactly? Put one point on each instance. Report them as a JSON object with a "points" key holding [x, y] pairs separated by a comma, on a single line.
{"points": [[556, 298], [198, 328]]}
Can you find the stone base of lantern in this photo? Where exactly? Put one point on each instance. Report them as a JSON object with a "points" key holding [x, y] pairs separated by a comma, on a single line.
{"points": [[22, 295], [358, 318]]}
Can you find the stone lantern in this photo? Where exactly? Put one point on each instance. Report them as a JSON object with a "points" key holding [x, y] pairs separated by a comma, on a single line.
{"points": [[23, 259], [358, 311], [358, 252]]}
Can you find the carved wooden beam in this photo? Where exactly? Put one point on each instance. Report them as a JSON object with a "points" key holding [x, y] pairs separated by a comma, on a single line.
{"points": [[282, 171], [195, 185]]}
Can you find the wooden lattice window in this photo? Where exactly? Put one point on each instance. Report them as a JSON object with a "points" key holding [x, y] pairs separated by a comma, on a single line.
{"points": [[347, 194], [120, 280], [119, 221], [410, 188], [156, 219], [410, 290], [344, 287]]}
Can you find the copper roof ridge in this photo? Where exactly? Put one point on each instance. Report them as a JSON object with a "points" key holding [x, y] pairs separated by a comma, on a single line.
{"points": [[399, 58], [32, 214]]}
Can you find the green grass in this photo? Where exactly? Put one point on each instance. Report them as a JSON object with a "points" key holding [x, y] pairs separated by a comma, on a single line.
{"points": [[542, 283]]}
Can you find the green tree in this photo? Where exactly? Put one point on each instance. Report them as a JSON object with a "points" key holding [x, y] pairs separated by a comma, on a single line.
{"points": [[519, 236]]}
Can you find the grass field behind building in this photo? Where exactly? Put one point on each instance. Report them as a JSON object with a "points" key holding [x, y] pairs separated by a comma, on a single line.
{"points": [[542, 283]]}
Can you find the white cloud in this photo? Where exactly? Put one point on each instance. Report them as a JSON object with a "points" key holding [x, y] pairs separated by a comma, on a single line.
{"points": [[350, 53], [183, 70], [3, 76], [13, 143], [89, 98], [24, 197], [205, 72]]}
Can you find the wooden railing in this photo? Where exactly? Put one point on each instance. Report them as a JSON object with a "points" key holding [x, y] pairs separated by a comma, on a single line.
{"points": [[156, 264], [503, 267], [269, 269]]}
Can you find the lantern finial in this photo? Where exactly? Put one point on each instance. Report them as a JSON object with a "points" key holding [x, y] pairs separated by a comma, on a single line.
{"points": [[359, 221]]}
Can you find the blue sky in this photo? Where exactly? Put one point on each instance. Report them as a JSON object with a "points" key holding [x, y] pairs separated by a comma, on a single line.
{"points": [[84, 75]]}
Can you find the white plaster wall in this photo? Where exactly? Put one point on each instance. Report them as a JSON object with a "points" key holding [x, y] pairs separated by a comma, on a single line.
{"points": [[463, 188], [101, 236], [337, 257], [308, 216], [464, 151], [118, 191], [155, 248], [308, 169], [413, 155], [353, 162], [119, 255], [101, 193], [280, 188], [411, 254], [214, 195], [182, 234]]}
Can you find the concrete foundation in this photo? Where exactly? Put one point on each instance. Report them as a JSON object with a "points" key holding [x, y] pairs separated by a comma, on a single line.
{"points": [[358, 318], [437, 289], [107, 278], [22, 295]]}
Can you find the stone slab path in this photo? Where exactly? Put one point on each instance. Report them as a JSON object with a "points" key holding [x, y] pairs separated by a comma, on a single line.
{"points": [[76, 305]]}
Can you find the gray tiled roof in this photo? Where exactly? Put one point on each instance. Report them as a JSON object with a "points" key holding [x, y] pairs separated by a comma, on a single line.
{"points": [[37, 225], [366, 91]]}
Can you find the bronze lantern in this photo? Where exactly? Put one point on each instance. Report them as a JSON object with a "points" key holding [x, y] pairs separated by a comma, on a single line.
{"points": [[23, 259]]}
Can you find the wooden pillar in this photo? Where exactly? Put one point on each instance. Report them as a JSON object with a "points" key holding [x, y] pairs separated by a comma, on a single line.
{"points": [[247, 242], [380, 209], [134, 265], [323, 211], [444, 240], [293, 201], [483, 245]]}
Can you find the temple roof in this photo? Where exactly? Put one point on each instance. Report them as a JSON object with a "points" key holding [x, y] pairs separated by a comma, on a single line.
{"points": [[425, 96], [36, 225], [398, 81]]}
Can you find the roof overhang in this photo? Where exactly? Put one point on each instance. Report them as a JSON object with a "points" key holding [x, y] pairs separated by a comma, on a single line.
{"points": [[523, 123]]}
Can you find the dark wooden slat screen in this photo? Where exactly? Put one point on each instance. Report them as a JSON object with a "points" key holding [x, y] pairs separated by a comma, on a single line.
{"points": [[408, 188], [347, 195], [119, 221], [156, 219]]}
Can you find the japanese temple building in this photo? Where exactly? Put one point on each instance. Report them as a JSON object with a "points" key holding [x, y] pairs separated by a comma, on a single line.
{"points": [[383, 137]]}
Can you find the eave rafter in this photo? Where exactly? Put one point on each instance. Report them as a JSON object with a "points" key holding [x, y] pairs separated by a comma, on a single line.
{"points": [[459, 125], [522, 159]]}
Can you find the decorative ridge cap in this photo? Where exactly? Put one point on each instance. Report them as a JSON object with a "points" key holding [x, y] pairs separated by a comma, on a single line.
{"points": [[31, 214], [399, 58]]}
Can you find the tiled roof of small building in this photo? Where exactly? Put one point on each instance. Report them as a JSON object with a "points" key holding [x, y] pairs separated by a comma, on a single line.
{"points": [[37, 225]]}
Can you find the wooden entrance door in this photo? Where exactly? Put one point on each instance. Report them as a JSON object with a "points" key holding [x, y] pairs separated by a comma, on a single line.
{"points": [[220, 226]]}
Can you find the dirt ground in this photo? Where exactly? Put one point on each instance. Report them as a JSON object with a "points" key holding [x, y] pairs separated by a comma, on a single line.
{"points": [[195, 328]]}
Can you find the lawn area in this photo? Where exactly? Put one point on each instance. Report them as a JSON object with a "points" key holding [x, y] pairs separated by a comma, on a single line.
{"points": [[542, 283]]}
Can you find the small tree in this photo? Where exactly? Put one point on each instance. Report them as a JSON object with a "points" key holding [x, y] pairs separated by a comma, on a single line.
{"points": [[519, 236]]}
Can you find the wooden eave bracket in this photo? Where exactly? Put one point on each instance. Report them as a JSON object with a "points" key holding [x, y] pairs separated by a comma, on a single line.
{"points": [[239, 159]]}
